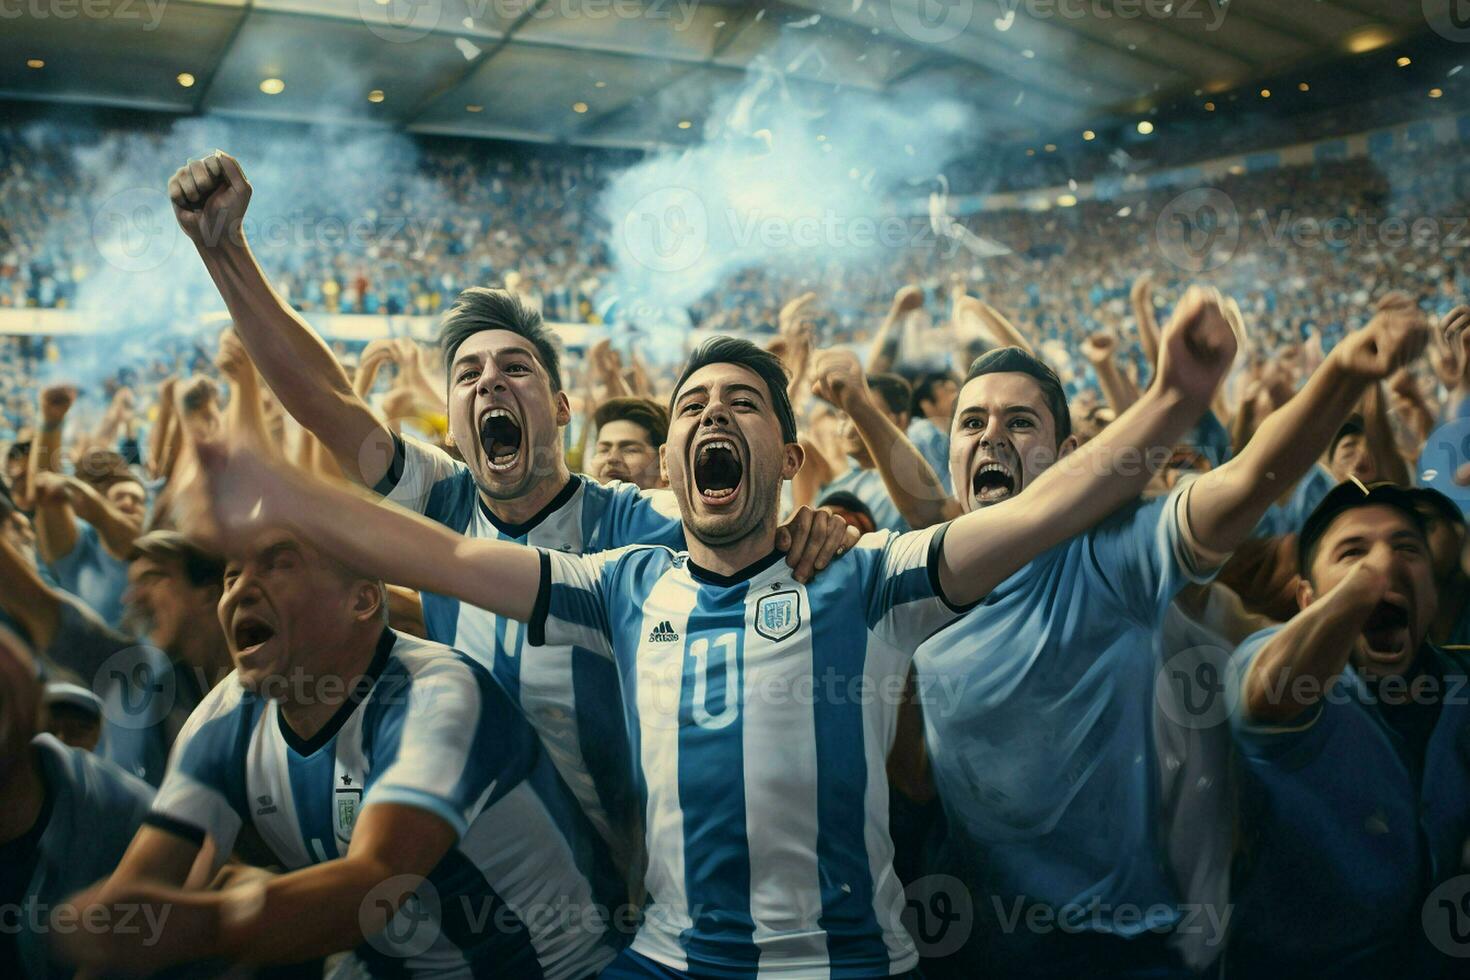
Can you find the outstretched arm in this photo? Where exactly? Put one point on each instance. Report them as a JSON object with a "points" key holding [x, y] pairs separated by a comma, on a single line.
{"points": [[1142, 298], [210, 197], [883, 352], [985, 546], [243, 491], [1228, 502]]}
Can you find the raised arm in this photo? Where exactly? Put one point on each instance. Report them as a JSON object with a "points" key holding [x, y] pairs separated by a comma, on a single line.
{"points": [[911, 482], [985, 546], [243, 491], [1228, 502], [210, 197], [883, 352], [1315, 643], [1101, 350], [56, 525], [1141, 296], [1002, 330], [23, 596]]}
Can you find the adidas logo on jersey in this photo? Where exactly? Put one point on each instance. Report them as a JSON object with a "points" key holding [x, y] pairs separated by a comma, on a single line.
{"points": [[663, 633]]}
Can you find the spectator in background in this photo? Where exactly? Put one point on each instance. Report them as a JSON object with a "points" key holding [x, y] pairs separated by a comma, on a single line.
{"points": [[73, 715], [66, 820], [891, 396], [931, 411], [630, 436]]}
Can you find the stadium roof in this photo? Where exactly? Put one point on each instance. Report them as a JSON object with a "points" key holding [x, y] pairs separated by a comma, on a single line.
{"points": [[631, 72]]}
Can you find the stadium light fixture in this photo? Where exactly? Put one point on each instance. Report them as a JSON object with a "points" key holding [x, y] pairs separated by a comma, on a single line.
{"points": [[1067, 201], [1030, 152], [375, 96], [1050, 148], [685, 124], [1088, 135], [272, 86], [185, 79], [1145, 127], [1209, 107], [474, 108], [1265, 93], [599, 84], [1436, 93], [35, 63], [1368, 39], [1404, 61], [579, 107], [1304, 87]]}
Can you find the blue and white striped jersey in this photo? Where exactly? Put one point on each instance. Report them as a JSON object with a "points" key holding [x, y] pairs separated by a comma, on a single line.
{"points": [[761, 713], [424, 727], [570, 700]]}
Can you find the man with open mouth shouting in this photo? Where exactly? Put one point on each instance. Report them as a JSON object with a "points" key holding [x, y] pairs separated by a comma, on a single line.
{"points": [[761, 709], [1353, 728], [506, 410], [1046, 766]]}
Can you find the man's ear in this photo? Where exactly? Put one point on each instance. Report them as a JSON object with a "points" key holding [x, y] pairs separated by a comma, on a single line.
{"points": [[563, 409], [663, 463], [1305, 594], [792, 457], [367, 601], [1068, 445]]}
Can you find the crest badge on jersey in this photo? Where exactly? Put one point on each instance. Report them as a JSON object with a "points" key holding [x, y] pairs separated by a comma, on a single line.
{"points": [[778, 615], [347, 799]]}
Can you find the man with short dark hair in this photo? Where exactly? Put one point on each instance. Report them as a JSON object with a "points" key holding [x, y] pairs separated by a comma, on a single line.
{"points": [[630, 432], [506, 412], [1357, 785], [762, 775], [1050, 749], [173, 589], [408, 801]]}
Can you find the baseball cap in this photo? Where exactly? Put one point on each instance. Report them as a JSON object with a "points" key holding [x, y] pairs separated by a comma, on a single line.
{"points": [[1349, 496]]}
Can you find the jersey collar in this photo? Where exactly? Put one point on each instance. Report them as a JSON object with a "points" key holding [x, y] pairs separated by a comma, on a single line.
{"points": [[308, 746], [521, 530], [743, 575]]}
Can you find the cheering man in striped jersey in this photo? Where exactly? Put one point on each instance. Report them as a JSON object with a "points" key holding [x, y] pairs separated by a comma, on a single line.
{"points": [[760, 710]]}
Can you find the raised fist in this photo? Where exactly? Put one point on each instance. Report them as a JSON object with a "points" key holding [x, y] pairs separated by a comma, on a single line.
{"points": [[838, 379], [1098, 348], [1396, 335], [209, 198], [1198, 346], [908, 298], [56, 401]]}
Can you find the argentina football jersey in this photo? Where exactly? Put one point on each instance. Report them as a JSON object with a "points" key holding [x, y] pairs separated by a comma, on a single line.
{"points": [[425, 727], [570, 699], [761, 712]]}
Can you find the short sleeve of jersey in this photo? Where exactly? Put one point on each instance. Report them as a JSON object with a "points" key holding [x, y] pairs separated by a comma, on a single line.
{"points": [[1291, 742], [905, 602], [427, 481], [447, 741], [571, 603], [1143, 555], [636, 516], [203, 792]]}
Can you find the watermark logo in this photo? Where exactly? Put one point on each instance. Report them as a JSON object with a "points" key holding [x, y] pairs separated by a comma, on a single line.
{"points": [[1446, 917], [134, 229], [667, 230], [400, 21], [1450, 19], [150, 12], [933, 21], [413, 928], [939, 914], [1199, 230], [136, 690], [1198, 687]]}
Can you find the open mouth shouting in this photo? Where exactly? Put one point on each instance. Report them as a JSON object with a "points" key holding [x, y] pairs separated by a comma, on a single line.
{"points": [[1386, 637], [250, 633], [500, 437], [718, 471], [993, 482]]}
